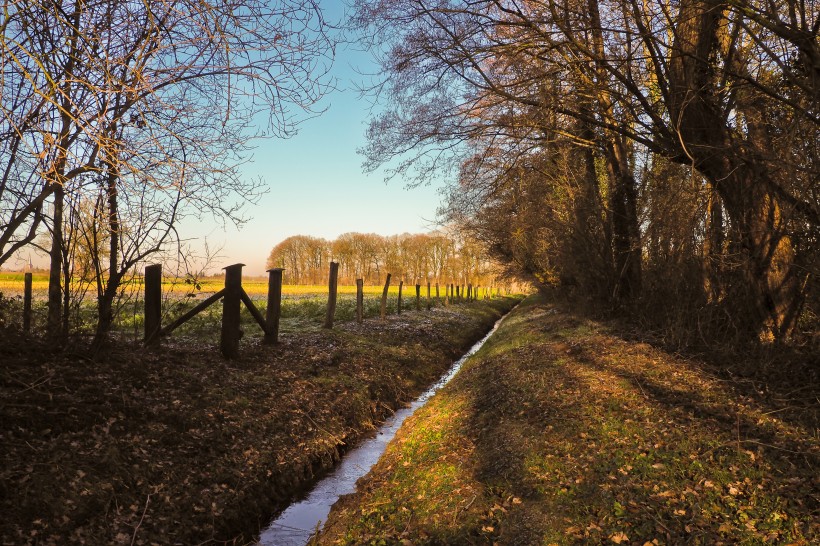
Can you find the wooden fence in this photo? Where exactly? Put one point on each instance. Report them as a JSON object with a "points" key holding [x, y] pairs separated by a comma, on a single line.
{"points": [[233, 296]]}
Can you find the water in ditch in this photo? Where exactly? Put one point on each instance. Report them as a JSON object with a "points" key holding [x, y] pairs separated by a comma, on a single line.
{"points": [[302, 519]]}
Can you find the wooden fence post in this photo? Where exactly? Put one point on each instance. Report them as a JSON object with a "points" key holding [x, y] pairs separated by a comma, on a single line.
{"points": [[437, 293], [401, 284], [458, 291], [153, 303], [274, 311], [452, 293], [469, 291], [418, 297], [332, 289], [428, 295], [359, 300], [27, 303], [231, 307], [384, 296]]}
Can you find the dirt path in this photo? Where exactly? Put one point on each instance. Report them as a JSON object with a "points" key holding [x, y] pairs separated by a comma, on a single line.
{"points": [[560, 431], [183, 447]]}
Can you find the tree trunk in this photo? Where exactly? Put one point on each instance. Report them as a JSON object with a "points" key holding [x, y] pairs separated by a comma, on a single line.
{"points": [[105, 312], [592, 239], [626, 244], [105, 300], [713, 246], [767, 294], [55, 293]]}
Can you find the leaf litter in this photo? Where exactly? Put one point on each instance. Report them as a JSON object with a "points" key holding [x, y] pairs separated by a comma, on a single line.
{"points": [[561, 430], [179, 446]]}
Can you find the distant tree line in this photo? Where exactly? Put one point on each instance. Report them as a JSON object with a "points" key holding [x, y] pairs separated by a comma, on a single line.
{"points": [[413, 258], [661, 158]]}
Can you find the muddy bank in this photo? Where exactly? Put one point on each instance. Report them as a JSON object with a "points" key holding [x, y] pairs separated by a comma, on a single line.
{"points": [[183, 447]]}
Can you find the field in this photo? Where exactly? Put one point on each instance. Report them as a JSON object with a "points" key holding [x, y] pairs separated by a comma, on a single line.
{"points": [[302, 305], [11, 284]]}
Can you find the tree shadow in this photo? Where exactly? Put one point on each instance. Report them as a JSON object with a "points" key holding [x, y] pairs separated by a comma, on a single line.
{"points": [[639, 454]]}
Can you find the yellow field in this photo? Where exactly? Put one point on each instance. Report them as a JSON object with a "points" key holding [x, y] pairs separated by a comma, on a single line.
{"points": [[11, 284]]}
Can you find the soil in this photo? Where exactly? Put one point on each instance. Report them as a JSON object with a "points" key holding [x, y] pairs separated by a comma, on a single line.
{"points": [[178, 446]]}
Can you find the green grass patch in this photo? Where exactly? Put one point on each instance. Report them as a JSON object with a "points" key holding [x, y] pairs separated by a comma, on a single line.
{"points": [[560, 432]]}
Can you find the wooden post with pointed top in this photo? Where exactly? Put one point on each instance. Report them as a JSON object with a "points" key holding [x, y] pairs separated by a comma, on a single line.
{"points": [[383, 311], [429, 303], [332, 290], [231, 307], [359, 300], [27, 303], [274, 311], [153, 303]]}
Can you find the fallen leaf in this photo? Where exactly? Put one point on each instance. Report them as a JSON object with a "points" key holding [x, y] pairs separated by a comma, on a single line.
{"points": [[617, 538]]}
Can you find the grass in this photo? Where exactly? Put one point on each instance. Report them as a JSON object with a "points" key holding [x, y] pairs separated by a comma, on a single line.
{"points": [[301, 304], [181, 446], [559, 431], [11, 284]]}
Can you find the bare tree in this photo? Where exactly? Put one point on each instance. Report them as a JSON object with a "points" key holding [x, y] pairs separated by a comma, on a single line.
{"points": [[151, 106], [729, 89]]}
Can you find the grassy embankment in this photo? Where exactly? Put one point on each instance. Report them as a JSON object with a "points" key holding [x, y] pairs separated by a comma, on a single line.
{"points": [[180, 446], [561, 431]]}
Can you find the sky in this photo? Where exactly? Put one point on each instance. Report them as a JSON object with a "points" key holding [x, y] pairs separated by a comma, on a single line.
{"points": [[315, 181]]}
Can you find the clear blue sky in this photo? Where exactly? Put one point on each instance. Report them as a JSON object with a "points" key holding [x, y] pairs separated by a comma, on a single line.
{"points": [[315, 180]]}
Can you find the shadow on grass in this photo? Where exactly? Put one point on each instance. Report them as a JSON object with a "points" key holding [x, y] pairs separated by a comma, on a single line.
{"points": [[582, 437]]}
